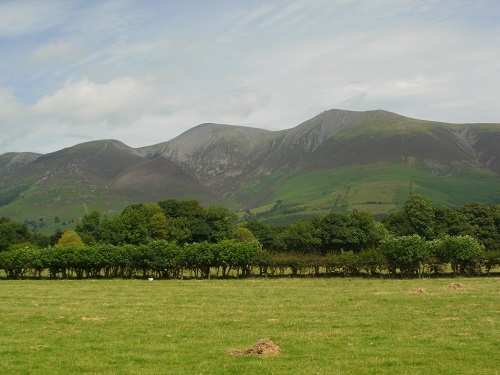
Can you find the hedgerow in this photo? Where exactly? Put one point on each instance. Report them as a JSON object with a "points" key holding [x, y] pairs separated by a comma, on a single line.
{"points": [[403, 256]]}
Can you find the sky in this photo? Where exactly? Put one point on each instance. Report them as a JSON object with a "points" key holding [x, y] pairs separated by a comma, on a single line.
{"points": [[143, 72]]}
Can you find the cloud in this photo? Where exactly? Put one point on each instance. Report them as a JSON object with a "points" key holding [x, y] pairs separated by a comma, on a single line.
{"points": [[29, 17], [143, 72], [118, 102], [14, 117], [59, 50]]}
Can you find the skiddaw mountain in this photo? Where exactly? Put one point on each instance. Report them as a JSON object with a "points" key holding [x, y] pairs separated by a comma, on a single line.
{"points": [[337, 161]]}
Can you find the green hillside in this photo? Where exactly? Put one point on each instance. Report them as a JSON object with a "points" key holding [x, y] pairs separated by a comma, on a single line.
{"points": [[378, 188], [337, 161]]}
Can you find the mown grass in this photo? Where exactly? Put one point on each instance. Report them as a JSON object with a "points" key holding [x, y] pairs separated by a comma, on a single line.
{"points": [[323, 326]]}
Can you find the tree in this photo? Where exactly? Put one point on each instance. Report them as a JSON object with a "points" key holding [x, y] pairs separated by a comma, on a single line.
{"points": [[420, 215], [70, 238], [354, 232], [220, 220], [417, 217], [262, 232], [89, 228], [485, 223], [134, 225], [463, 252], [406, 253], [242, 234], [158, 226], [300, 236], [12, 233], [333, 231], [450, 222]]}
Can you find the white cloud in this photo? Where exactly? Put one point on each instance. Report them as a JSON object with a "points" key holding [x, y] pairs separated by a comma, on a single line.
{"points": [[142, 72], [29, 17], [118, 102], [59, 50]]}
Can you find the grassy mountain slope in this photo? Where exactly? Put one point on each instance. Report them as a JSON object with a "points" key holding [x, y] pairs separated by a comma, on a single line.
{"points": [[93, 175], [337, 161]]}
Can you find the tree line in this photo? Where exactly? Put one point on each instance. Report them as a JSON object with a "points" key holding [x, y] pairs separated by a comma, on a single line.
{"points": [[173, 238]]}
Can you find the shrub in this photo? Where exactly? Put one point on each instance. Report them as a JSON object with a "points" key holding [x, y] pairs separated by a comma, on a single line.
{"points": [[406, 253]]}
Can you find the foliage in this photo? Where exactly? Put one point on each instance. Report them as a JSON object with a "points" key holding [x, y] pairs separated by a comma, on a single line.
{"points": [[171, 237], [12, 233], [70, 238], [300, 236], [262, 232], [242, 234], [405, 252], [463, 252], [485, 223]]}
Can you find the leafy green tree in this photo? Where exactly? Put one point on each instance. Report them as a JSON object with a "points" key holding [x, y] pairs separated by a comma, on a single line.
{"points": [[16, 263], [89, 228], [242, 234], [158, 226], [333, 231], [186, 221], [221, 223], [420, 215], [372, 260], [70, 238], [450, 222], [485, 223], [406, 253], [417, 217], [262, 232], [301, 237], [12, 233], [397, 224], [134, 225], [463, 252], [368, 233], [354, 232], [187, 209]]}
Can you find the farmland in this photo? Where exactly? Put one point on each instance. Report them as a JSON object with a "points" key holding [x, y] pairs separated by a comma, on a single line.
{"points": [[322, 325]]}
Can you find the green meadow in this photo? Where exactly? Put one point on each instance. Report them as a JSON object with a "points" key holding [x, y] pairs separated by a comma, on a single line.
{"points": [[323, 326], [378, 188]]}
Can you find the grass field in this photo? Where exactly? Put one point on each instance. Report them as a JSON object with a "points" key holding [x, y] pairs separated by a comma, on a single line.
{"points": [[323, 326], [379, 188]]}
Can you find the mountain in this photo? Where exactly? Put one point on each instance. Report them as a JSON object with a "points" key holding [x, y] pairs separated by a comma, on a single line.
{"points": [[336, 161]]}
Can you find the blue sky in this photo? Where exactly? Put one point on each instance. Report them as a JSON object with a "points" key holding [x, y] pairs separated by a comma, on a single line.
{"points": [[145, 71]]}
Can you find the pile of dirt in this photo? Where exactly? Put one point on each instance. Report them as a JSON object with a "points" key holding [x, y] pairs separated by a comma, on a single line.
{"points": [[456, 286], [261, 347]]}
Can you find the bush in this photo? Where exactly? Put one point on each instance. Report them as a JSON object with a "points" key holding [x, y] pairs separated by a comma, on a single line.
{"points": [[463, 252], [406, 253]]}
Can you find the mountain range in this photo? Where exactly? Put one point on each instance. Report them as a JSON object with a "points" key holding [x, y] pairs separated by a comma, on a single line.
{"points": [[338, 161]]}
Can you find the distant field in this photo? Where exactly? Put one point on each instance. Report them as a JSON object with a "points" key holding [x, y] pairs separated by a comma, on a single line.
{"points": [[38, 205], [323, 326], [378, 188]]}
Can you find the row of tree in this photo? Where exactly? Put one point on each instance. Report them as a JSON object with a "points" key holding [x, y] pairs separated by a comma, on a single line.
{"points": [[188, 222], [183, 223], [405, 256]]}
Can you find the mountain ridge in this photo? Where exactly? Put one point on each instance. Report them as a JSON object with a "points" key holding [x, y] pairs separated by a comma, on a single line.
{"points": [[345, 159]]}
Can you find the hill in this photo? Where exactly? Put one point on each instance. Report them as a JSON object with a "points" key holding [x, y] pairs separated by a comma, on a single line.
{"points": [[336, 161]]}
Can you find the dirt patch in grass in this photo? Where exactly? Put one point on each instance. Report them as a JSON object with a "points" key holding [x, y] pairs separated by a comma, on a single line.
{"points": [[261, 347], [456, 286], [418, 291]]}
